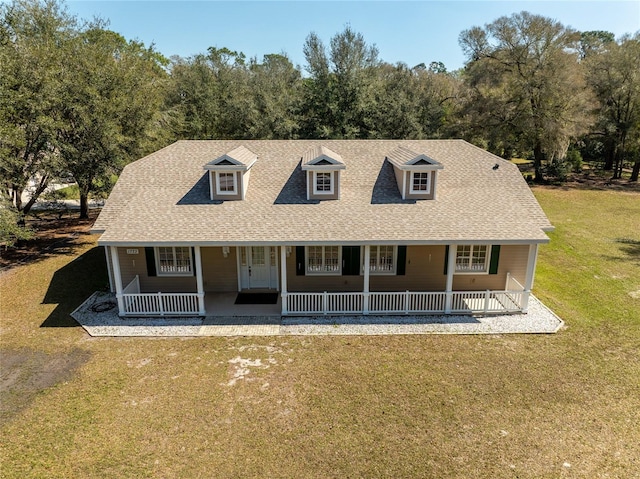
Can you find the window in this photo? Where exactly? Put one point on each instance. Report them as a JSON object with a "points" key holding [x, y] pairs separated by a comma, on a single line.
{"points": [[420, 182], [472, 258], [323, 183], [382, 259], [226, 183], [323, 259], [174, 261]]}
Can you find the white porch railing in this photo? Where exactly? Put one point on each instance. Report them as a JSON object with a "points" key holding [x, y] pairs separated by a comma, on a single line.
{"points": [[136, 303], [407, 302]]}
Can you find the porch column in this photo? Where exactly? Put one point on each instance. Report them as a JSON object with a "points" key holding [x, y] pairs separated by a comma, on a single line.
{"points": [[283, 279], [367, 260], [528, 282], [199, 281], [106, 253], [117, 278], [451, 267]]}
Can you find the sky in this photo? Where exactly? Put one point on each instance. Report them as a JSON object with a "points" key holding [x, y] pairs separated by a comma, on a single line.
{"points": [[411, 32]]}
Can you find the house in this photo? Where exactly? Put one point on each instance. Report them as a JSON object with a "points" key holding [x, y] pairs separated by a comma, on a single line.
{"points": [[332, 226]]}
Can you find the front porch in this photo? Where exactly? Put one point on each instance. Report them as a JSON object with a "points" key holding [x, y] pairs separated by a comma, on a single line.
{"points": [[296, 294]]}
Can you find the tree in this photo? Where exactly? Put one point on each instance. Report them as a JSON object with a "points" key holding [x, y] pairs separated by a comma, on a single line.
{"points": [[112, 91], [613, 75], [526, 85], [33, 38], [338, 92], [11, 227]]}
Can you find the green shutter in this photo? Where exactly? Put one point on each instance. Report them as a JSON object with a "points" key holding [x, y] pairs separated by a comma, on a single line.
{"points": [[150, 256], [351, 260], [495, 257], [300, 261], [446, 259], [402, 261]]}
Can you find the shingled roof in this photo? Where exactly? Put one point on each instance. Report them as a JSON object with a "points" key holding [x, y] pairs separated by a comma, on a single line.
{"points": [[164, 198]]}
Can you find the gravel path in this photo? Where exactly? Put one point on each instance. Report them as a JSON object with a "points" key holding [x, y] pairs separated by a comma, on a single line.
{"points": [[98, 316]]}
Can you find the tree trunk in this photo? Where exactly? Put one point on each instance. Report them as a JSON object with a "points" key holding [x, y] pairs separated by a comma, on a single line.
{"points": [[44, 182], [84, 204], [537, 163], [17, 196], [635, 171]]}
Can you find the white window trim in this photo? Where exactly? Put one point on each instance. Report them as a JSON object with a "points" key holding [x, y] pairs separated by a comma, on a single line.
{"points": [[331, 183], [420, 192], [487, 261], [235, 183], [172, 273], [323, 273], [376, 248]]}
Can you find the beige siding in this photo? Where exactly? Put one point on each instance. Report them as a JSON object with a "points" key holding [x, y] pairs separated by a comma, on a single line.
{"points": [[414, 196], [424, 272], [219, 273], [136, 264], [399, 175], [239, 184], [513, 259], [336, 187]]}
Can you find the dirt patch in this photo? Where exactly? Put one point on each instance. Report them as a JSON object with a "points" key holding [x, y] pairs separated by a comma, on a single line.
{"points": [[24, 373]]}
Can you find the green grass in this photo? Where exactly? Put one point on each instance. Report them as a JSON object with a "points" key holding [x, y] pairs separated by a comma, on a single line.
{"points": [[526, 406], [71, 192]]}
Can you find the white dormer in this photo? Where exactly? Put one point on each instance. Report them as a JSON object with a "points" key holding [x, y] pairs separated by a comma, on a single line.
{"points": [[322, 168], [416, 174], [229, 174]]}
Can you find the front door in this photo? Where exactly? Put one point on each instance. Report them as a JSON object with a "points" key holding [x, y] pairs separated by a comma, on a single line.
{"points": [[255, 267]]}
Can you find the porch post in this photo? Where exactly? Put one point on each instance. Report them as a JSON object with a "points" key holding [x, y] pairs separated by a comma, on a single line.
{"points": [[283, 278], [451, 266], [199, 280], [367, 261], [117, 277], [106, 253], [528, 282]]}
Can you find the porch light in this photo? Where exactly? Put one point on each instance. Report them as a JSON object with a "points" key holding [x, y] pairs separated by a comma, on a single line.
{"points": [[225, 251], [288, 250]]}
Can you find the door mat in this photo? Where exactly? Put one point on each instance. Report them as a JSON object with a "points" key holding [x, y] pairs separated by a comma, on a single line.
{"points": [[257, 298]]}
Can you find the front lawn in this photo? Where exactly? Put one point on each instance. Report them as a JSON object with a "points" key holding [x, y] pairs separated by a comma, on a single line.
{"points": [[526, 406]]}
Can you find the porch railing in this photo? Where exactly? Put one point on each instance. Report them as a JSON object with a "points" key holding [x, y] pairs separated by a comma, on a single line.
{"points": [[135, 303], [407, 302]]}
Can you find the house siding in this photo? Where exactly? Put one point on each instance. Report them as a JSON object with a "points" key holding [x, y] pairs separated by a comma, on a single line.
{"points": [[239, 183], [136, 264], [335, 178], [219, 274], [513, 260], [423, 272]]}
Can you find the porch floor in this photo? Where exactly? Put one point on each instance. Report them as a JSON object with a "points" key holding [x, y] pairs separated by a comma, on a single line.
{"points": [[223, 304], [98, 315]]}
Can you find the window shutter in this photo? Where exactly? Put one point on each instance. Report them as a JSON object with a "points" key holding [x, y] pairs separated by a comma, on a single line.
{"points": [[402, 261], [300, 261], [151, 261], [351, 260], [193, 260], [446, 259], [495, 256]]}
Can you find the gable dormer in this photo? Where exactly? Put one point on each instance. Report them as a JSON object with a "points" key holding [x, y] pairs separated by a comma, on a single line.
{"points": [[416, 174], [322, 167], [229, 174]]}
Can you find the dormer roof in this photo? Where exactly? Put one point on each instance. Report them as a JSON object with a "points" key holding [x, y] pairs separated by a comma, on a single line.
{"points": [[406, 159], [238, 159], [321, 158]]}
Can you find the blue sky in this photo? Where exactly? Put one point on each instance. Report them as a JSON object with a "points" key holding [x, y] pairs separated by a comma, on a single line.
{"points": [[411, 32]]}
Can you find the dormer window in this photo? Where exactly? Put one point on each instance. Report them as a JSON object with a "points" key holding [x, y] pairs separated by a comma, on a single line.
{"points": [[415, 174], [323, 183], [420, 183], [322, 167], [226, 183], [229, 174]]}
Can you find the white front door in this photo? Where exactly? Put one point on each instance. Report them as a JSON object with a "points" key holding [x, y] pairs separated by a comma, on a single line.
{"points": [[255, 267]]}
